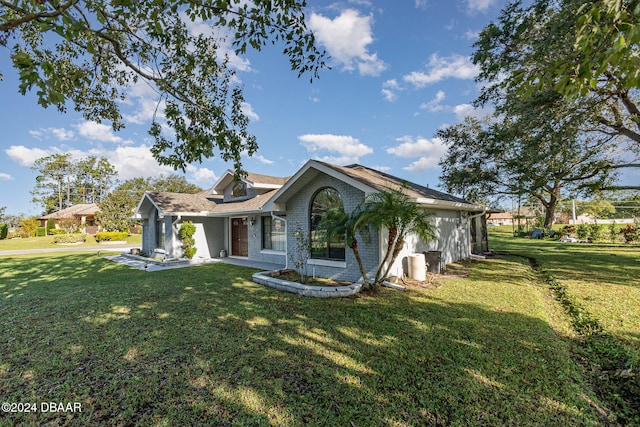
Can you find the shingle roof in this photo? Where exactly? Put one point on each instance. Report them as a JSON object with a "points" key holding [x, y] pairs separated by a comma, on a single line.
{"points": [[257, 178], [208, 204], [201, 202], [80, 209], [181, 202], [382, 181]]}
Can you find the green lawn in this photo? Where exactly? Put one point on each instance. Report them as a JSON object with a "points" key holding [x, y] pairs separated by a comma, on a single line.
{"points": [[46, 242], [206, 346], [601, 284]]}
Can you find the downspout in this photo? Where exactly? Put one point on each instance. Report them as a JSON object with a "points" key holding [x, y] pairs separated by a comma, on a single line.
{"points": [[286, 240]]}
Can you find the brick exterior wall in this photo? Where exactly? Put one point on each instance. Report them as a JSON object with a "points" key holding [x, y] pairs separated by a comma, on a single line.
{"points": [[298, 212]]}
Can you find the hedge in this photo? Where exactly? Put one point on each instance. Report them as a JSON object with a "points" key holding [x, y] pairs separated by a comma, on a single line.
{"points": [[109, 236], [70, 238]]}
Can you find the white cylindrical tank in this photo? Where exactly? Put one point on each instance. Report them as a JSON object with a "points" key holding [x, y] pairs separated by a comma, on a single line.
{"points": [[417, 267]]}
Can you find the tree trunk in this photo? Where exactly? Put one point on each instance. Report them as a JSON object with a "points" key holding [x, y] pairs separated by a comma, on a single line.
{"points": [[356, 253], [396, 251], [550, 205], [393, 235]]}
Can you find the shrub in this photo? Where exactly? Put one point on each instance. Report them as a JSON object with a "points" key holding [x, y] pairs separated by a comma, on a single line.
{"points": [[51, 226], [109, 236], [582, 231], [41, 232], [613, 232], [567, 230], [630, 233], [4, 231], [595, 231], [58, 231], [187, 230], [70, 238]]}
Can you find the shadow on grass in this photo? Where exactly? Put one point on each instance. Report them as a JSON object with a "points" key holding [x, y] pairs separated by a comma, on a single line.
{"points": [[205, 346]]}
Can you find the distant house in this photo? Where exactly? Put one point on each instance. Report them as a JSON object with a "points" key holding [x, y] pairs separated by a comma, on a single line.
{"points": [[83, 214], [500, 218], [259, 216]]}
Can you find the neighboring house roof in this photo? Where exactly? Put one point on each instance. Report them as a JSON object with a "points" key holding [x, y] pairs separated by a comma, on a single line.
{"points": [[79, 210], [500, 215]]}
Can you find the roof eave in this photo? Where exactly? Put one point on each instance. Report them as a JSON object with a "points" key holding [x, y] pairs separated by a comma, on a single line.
{"points": [[445, 204]]}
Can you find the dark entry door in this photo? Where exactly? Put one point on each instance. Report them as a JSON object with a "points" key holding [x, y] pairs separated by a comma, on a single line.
{"points": [[239, 238]]}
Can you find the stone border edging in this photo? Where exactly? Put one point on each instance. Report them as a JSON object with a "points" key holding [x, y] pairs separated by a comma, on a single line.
{"points": [[306, 290]]}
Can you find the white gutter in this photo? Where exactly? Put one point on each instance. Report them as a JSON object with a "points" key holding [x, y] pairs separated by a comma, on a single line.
{"points": [[286, 246], [484, 211]]}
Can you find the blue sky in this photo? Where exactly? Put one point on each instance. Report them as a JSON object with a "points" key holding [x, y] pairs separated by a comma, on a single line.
{"points": [[400, 71]]}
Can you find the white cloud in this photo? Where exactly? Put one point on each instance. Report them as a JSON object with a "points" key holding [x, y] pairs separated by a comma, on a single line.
{"points": [[480, 5], [264, 160], [428, 151], [202, 176], [417, 147], [132, 162], [467, 110], [472, 35], [247, 109], [61, 134], [347, 38], [97, 132], [423, 164], [25, 156], [438, 69], [347, 148], [5, 177], [421, 4], [435, 104], [390, 89]]}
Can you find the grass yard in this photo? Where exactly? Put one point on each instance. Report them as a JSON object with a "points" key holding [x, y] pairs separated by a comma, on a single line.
{"points": [[46, 242], [206, 346], [601, 282]]}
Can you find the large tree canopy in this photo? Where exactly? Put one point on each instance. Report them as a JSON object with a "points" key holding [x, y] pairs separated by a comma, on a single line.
{"points": [[63, 181], [88, 53], [117, 209], [575, 48]]}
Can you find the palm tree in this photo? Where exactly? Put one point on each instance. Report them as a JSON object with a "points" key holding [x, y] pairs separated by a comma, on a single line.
{"points": [[400, 215], [337, 222]]}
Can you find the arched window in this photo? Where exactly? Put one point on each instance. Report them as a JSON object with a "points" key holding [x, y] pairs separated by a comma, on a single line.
{"points": [[321, 247]]}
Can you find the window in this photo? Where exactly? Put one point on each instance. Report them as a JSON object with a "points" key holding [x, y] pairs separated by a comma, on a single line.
{"points": [[273, 234], [239, 189], [321, 247]]}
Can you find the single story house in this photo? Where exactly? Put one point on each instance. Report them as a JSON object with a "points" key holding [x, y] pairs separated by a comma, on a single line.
{"points": [[500, 218], [81, 214], [259, 217]]}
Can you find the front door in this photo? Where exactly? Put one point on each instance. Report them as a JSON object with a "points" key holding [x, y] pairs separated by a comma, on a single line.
{"points": [[239, 237]]}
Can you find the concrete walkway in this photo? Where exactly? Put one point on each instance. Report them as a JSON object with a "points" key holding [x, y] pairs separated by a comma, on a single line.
{"points": [[150, 265]]}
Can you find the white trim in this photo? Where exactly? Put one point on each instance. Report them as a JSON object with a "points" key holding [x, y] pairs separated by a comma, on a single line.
{"points": [[447, 205], [327, 263], [273, 252]]}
